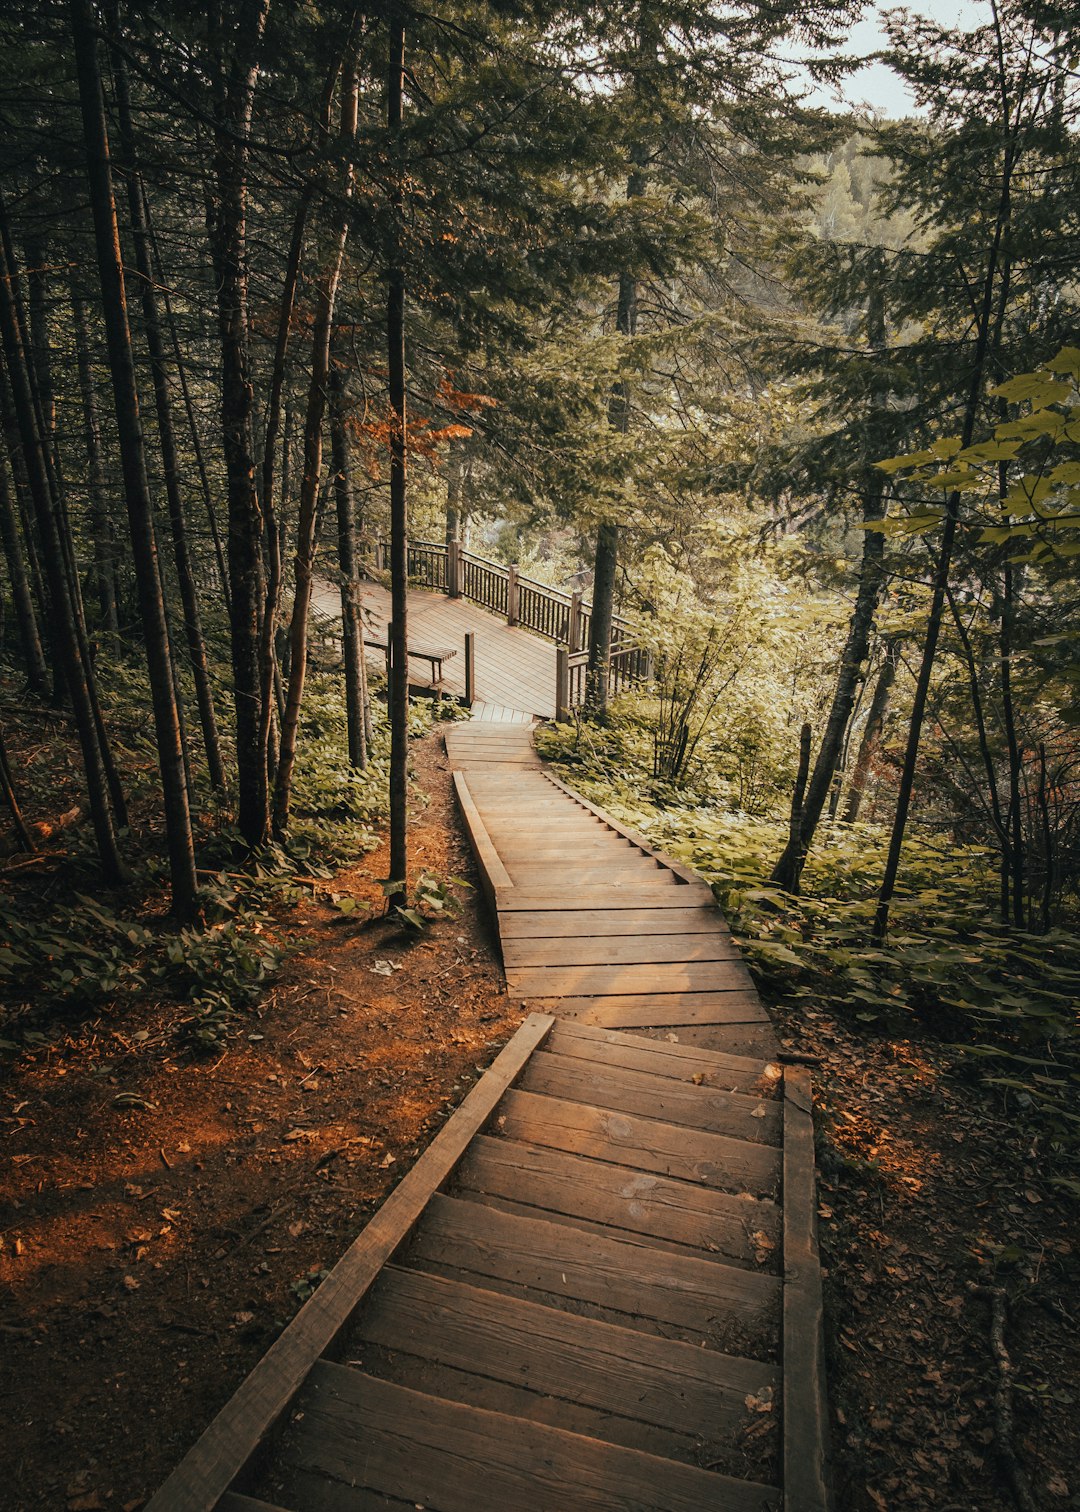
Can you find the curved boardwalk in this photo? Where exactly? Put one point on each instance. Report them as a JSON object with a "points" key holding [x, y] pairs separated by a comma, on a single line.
{"points": [[598, 1288]]}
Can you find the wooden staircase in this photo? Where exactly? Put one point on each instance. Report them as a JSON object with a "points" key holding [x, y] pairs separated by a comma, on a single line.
{"points": [[598, 1288]]}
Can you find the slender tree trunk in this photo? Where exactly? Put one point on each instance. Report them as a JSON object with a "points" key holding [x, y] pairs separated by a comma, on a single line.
{"points": [[155, 342], [62, 614], [24, 506], [798, 796], [352, 626], [788, 869], [871, 735], [399, 573], [189, 408], [945, 551], [229, 244], [104, 580], [37, 673], [1008, 714], [307, 524], [136, 489]]}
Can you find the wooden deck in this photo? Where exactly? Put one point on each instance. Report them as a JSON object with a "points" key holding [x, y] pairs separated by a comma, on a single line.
{"points": [[515, 669], [598, 1288]]}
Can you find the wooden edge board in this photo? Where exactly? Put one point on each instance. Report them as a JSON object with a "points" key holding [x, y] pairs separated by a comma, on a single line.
{"points": [[805, 1406], [684, 873], [493, 874], [217, 1458]]}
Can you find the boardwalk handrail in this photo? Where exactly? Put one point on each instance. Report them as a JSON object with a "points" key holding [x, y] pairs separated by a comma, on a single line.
{"points": [[552, 612], [628, 664]]}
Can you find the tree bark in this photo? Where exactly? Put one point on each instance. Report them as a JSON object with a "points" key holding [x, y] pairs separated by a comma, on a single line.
{"points": [[307, 523], [155, 343], [399, 578], [37, 673], [7, 786], [871, 735], [62, 615], [229, 246], [352, 625], [179, 838], [104, 579]]}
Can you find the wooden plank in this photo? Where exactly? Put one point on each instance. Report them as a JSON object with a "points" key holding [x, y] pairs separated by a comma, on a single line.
{"points": [[621, 950], [535, 899], [493, 875], [549, 924], [733, 1039], [665, 1382], [735, 1005], [619, 981], [608, 1047], [232, 1501], [209, 1468], [706, 1301], [539, 847], [753, 1118], [805, 1406], [628, 1202], [644, 1144], [363, 1432], [545, 874], [685, 872]]}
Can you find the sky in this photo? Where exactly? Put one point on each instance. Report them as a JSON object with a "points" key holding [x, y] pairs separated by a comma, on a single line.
{"points": [[876, 85]]}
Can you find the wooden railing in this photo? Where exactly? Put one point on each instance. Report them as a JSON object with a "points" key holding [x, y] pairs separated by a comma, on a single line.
{"points": [[562, 617]]}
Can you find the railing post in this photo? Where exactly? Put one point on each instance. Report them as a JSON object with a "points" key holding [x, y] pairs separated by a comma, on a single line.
{"points": [[562, 684], [380, 554], [470, 669], [453, 568], [512, 594], [574, 630]]}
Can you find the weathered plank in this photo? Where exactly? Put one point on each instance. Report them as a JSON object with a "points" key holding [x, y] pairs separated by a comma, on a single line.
{"points": [[619, 981], [627, 874], [626, 1090], [619, 950], [460, 1458], [737, 1229], [704, 1301], [572, 900], [805, 1407], [647, 1144], [607, 1047], [735, 1005], [493, 874], [665, 1382], [209, 1468], [570, 924]]}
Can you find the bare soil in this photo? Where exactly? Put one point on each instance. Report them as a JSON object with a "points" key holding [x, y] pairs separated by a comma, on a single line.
{"points": [[150, 1254]]}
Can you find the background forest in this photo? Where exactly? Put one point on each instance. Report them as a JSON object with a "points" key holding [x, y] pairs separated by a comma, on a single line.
{"points": [[598, 291]]}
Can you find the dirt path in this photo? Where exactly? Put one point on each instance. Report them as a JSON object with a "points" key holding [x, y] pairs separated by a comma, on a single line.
{"points": [[151, 1253]]}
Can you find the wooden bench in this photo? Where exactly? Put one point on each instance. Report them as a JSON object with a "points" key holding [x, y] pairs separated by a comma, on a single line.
{"points": [[435, 658]]}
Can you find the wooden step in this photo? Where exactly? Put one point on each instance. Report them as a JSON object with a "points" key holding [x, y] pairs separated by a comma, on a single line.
{"points": [[352, 1431], [579, 898], [586, 922], [607, 1047], [633, 1010], [630, 981], [580, 1374], [647, 1289], [646, 1144], [740, 1230], [749, 1117], [619, 950]]}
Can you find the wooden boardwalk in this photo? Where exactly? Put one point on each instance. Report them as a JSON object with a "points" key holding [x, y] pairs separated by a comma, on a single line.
{"points": [[515, 669], [598, 1288]]}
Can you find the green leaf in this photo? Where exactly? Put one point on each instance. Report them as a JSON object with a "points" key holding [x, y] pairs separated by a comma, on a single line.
{"points": [[1037, 388]]}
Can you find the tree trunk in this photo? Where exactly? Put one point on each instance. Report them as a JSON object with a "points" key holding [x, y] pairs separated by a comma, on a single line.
{"points": [[155, 343], [798, 798], [104, 579], [399, 574], [788, 868], [352, 624], [62, 615], [307, 523], [37, 673], [229, 245], [136, 489], [7, 787], [1008, 714], [871, 735]]}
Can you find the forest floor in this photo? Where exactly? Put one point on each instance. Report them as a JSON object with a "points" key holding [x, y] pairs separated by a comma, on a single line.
{"points": [[149, 1254]]}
